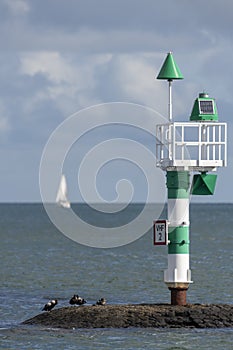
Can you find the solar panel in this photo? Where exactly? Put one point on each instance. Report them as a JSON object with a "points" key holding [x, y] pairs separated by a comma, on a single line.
{"points": [[206, 107]]}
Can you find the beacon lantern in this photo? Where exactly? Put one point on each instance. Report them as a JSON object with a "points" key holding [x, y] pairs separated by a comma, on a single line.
{"points": [[204, 108]]}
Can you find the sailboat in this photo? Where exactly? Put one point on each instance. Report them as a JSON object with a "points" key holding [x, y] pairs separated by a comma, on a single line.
{"points": [[62, 198]]}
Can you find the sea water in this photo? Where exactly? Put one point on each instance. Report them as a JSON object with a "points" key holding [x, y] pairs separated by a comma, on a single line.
{"points": [[39, 263]]}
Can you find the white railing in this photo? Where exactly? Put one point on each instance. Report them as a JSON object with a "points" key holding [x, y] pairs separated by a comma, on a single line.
{"points": [[200, 146]]}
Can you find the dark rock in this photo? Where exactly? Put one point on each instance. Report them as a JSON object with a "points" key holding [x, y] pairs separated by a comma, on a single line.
{"points": [[141, 315]]}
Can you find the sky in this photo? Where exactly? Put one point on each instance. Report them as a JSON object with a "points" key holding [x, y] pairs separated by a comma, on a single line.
{"points": [[61, 57]]}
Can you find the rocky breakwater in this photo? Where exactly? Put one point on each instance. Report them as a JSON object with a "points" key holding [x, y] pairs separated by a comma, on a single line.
{"points": [[141, 315]]}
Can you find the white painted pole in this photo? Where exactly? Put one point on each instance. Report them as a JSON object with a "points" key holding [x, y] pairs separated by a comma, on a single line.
{"points": [[170, 101]]}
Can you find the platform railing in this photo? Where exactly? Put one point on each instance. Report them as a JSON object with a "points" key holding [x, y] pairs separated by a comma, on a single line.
{"points": [[196, 145]]}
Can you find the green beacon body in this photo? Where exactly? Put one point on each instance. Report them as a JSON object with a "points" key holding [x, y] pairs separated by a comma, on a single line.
{"points": [[204, 109]]}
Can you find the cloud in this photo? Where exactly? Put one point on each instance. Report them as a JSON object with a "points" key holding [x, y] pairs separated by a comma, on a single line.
{"points": [[17, 7], [137, 76], [50, 64], [69, 80], [131, 15], [80, 81], [121, 27]]}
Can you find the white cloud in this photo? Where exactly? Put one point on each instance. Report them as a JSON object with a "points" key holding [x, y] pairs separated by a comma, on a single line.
{"points": [[79, 81], [50, 64], [18, 7], [74, 82], [70, 81], [136, 75]]}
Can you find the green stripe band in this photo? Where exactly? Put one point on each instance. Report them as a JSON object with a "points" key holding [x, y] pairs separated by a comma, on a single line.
{"points": [[178, 184], [179, 240], [177, 193]]}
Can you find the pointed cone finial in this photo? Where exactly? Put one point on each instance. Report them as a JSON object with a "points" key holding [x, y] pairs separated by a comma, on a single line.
{"points": [[170, 70]]}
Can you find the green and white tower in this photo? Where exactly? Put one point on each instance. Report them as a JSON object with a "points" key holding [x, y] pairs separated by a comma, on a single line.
{"points": [[181, 149]]}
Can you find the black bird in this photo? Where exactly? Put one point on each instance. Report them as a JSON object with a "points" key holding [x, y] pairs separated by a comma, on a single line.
{"points": [[77, 300], [80, 301], [73, 300], [102, 301], [50, 305]]}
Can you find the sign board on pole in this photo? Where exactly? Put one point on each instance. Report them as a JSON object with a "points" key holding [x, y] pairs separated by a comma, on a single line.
{"points": [[160, 232]]}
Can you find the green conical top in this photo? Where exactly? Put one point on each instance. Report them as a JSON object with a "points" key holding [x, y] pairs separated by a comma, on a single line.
{"points": [[170, 70]]}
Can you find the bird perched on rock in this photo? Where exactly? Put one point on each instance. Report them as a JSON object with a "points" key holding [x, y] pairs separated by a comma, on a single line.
{"points": [[102, 301], [77, 300], [73, 300], [50, 305], [80, 301]]}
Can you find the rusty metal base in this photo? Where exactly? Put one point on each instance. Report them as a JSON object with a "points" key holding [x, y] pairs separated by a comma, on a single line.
{"points": [[178, 296]]}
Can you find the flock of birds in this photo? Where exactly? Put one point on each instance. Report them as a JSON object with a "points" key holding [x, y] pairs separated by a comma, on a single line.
{"points": [[75, 300]]}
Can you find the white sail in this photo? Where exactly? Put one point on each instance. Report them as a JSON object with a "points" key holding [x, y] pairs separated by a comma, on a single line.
{"points": [[62, 198]]}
